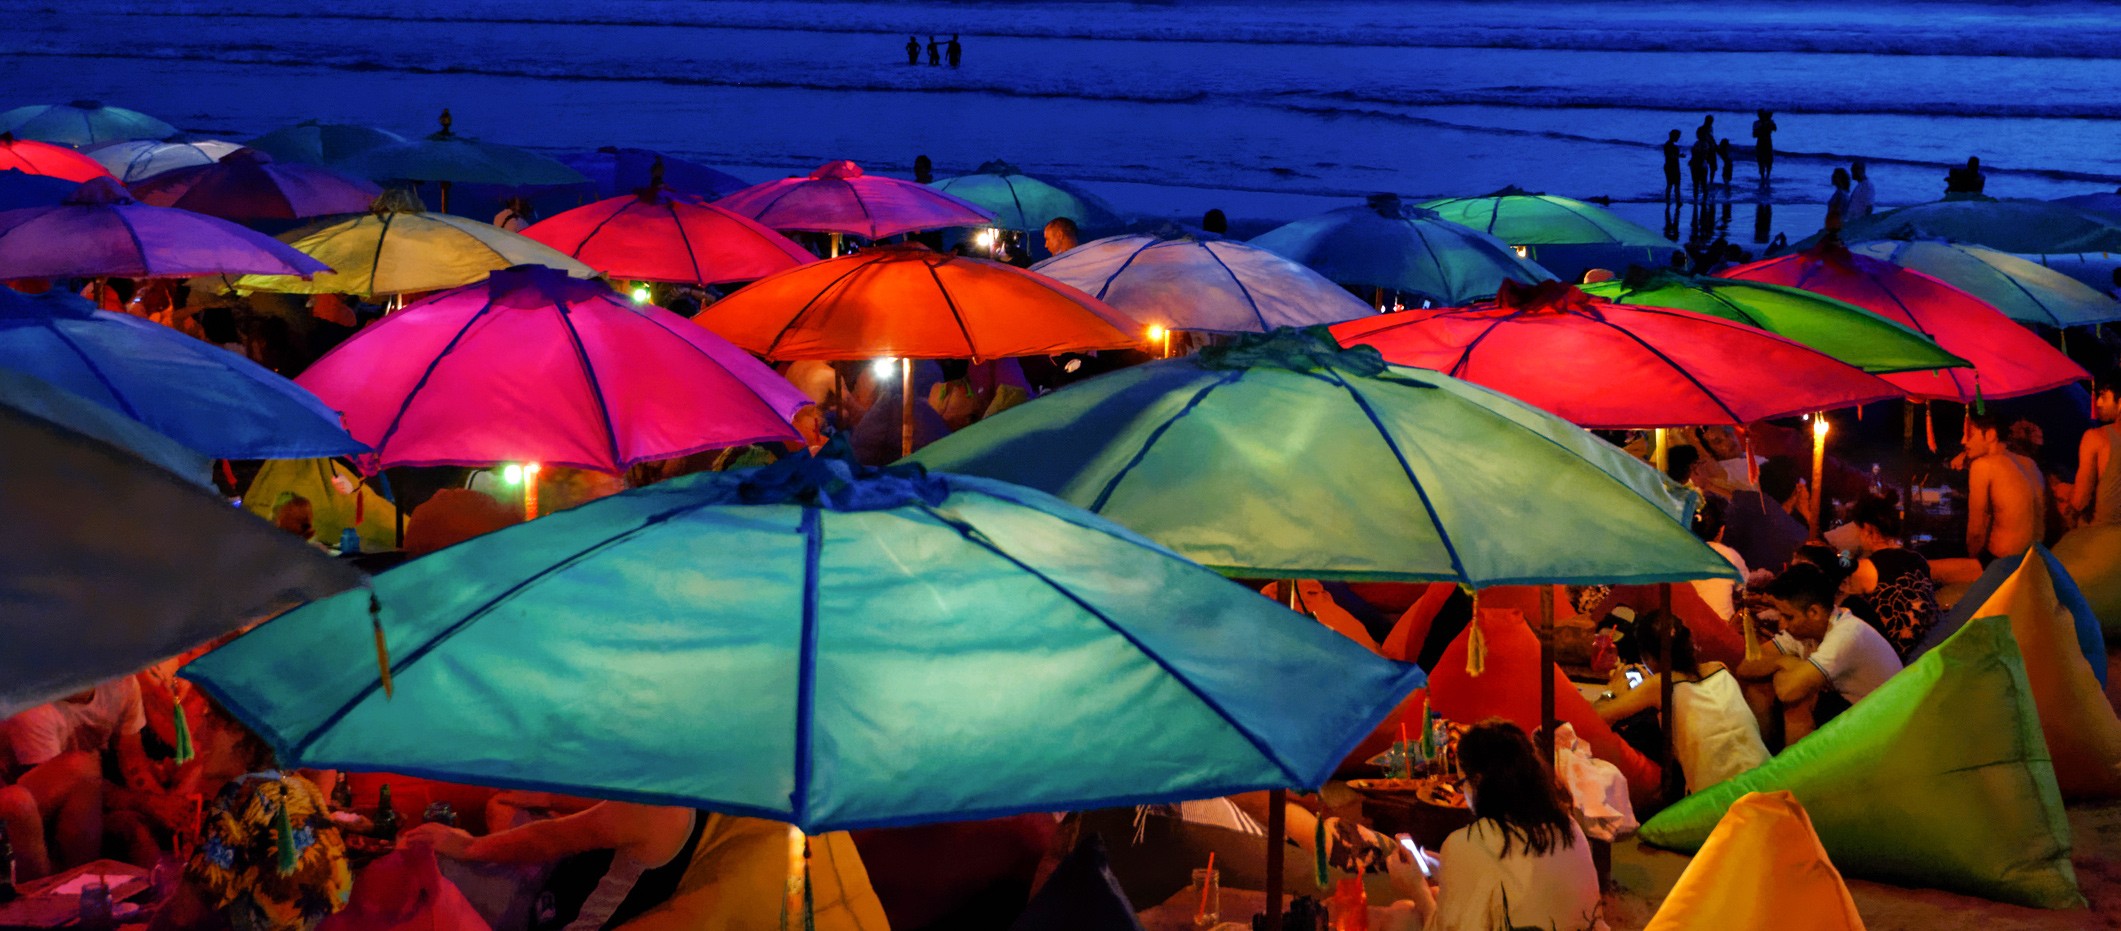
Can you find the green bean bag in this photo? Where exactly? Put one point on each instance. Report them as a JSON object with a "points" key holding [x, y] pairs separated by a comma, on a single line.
{"points": [[1939, 779]]}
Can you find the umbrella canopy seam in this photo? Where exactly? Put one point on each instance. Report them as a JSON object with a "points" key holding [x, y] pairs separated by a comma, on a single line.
{"points": [[1122, 269], [139, 248], [1673, 365], [589, 371], [1097, 505], [854, 268], [97, 371], [806, 661], [1257, 314], [1443, 534], [406, 405], [951, 303]]}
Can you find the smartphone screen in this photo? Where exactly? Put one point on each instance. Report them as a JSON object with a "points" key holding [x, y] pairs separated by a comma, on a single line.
{"points": [[1634, 676], [1421, 857]]}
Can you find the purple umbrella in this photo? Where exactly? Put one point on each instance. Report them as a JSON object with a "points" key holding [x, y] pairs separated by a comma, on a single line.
{"points": [[248, 185], [101, 232]]}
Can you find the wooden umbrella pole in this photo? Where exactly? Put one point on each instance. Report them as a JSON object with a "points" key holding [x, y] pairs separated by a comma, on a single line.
{"points": [[1278, 811], [905, 420], [1665, 687], [445, 195], [1546, 672], [1818, 509], [1661, 451], [835, 250]]}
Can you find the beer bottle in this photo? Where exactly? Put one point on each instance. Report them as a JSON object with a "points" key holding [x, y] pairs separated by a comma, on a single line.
{"points": [[386, 816]]}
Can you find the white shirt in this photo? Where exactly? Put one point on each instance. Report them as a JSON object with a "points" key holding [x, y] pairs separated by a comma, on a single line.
{"points": [[1717, 736], [1558, 890], [43, 733], [1720, 593], [1853, 656], [1861, 200]]}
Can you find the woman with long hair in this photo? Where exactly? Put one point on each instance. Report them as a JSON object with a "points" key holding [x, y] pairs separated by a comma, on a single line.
{"points": [[1523, 862], [1891, 587], [1715, 735]]}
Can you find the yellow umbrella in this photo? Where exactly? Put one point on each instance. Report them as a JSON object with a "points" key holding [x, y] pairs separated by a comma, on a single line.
{"points": [[395, 248]]}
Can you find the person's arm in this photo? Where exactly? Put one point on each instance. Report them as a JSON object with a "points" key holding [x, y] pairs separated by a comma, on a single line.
{"points": [[2091, 456], [596, 828], [1797, 685], [1977, 507], [1865, 579], [133, 764], [1624, 705]]}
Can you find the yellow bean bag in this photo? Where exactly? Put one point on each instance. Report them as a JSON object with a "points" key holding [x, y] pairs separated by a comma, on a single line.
{"points": [[331, 510], [2093, 557], [1762, 869], [2083, 735]]}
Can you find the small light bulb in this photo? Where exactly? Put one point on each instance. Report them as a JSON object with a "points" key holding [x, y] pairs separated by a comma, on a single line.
{"points": [[1156, 333], [885, 367], [640, 294], [512, 474], [1522, 252], [1820, 425], [986, 238]]}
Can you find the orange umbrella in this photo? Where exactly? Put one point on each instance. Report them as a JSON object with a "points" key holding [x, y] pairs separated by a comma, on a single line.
{"points": [[910, 303]]}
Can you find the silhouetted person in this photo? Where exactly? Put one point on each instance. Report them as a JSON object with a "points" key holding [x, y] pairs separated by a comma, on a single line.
{"points": [[1764, 143], [1966, 180], [1679, 261], [956, 52], [1723, 151], [1862, 197], [935, 53], [913, 51], [1705, 134], [1672, 194], [1699, 160], [923, 169], [1837, 206], [1215, 222]]}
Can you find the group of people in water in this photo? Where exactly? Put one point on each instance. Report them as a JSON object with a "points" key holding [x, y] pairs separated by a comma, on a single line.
{"points": [[951, 50]]}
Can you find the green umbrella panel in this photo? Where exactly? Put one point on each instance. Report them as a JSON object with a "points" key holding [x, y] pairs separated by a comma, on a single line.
{"points": [[1021, 202], [1836, 328], [1523, 218]]}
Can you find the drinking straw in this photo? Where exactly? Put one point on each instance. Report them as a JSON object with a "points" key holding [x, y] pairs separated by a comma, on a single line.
{"points": [[1204, 886]]}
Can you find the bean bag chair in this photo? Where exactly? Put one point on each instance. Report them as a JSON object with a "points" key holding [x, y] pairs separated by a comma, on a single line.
{"points": [[2093, 557], [1762, 869], [337, 500], [1081, 895], [1967, 605], [2083, 735], [1939, 779], [1508, 688], [405, 891]]}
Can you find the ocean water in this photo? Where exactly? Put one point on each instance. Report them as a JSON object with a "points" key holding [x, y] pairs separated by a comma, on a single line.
{"points": [[1268, 109]]}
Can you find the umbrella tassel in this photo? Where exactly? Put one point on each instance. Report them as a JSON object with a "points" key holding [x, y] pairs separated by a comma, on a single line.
{"points": [[1752, 465], [375, 622], [181, 724], [1980, 409], [359, 504], [1319, 862], [284, 837], [1476, 642], [1929, 427]]}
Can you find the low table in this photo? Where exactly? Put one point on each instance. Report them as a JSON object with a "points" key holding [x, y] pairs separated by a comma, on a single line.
{"points": [[39, 907]]}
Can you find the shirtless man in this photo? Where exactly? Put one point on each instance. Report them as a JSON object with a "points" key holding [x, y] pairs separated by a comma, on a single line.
{"points": [[2005, 509], [2096, 496]]}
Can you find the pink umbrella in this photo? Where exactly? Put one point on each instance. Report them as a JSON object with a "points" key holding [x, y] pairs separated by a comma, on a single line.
{"points": [[839, 198], [658, 235], [2008, 359], [248, 185], [533, 366], [100, 232]]}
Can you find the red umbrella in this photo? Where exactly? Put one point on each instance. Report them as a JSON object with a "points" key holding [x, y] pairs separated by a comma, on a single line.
{"points": [[43, 158], [657, 235], [839, 198], [248, 185], [1613, 366], [2008, 359], [101, 232]]}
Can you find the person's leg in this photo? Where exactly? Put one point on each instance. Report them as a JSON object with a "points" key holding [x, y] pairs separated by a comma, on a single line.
{"points": [[69, 794], [25, 832], [132, 838]]}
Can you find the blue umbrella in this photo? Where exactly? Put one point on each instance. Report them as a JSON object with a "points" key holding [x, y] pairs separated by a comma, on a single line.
{"points": [[205, 397], [82, 123], [1021, 202], [1384, 244], [818, 643], [41, 399], [20, 189], [613, 171]]}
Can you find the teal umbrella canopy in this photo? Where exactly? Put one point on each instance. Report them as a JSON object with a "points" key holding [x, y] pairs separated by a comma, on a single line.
{"points": [[1021, 202], [2005, 225], [1285, 456], [1385, 244], [2025, 291], [817, 643], [313, 143], [448, 157], [82, 123], [1523, 218]]}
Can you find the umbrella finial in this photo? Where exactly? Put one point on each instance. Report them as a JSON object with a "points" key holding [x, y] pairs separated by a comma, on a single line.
{"points": [[1387, 206], [1306, 349], [446, 121]]}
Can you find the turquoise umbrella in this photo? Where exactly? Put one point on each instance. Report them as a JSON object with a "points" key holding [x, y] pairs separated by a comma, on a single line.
{"points": [[1385, 244], [2021, 226], [2024, 291], [313, 143], [82, 123], [448, 158], [817, 643], [1285, 456], [1523, 218], [1021, 202]]}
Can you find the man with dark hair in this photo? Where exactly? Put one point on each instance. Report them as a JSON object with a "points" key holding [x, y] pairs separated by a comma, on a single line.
{"points": [[1822, 648], [2096, 496], [2006, 502], [1759, 524]]}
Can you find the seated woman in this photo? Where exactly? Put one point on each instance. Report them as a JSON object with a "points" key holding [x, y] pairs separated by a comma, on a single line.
{"points": [[1523, 862], [1717, 736], [1891, 588]]}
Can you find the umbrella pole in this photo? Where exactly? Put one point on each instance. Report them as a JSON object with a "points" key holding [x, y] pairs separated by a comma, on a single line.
{"points": [[1907, 479], [1661, 446], [1547, 670], [1819, 428], [445, 195], [905, 420], [1278, 810], [1668, 768], [834, 251]]}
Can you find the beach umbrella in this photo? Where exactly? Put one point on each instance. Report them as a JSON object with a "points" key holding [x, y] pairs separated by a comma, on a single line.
{"points": [[82, 123], [247, 185], [396, 248], [28, 394], [20, 189], [838, 198], [1523, 218], [1839, 329], [2025, 226], [2024, 291], [201, 395], [659, 235], [821, 644], [101, 232], [110, 563], [2104, 204], [1285, 456], [1387, 245], [313, 143], [534, 366], [140, 159], [1613, 367], [1021, 202], [1209, 285], [43, 158], [613, 171], [448, 158], [2008, 359]]}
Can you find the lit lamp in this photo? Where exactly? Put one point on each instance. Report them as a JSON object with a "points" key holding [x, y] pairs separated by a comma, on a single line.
{"points": [[1819, 431], [641, 294], [987, 239], [1161, 338], [526, 475], [882, 367], [1523, 252]]}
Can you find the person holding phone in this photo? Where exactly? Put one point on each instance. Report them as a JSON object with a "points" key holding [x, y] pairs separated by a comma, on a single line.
{"points": [[1716, 735], [1523, 862]]}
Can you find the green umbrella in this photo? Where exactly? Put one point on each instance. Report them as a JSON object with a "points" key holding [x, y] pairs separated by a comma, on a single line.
{"points": [[1021, 202], [1522, 218], [448, 158], [2022, 226], [82, 123], [2024, 291], [313, 143], [1844, 331], [1284, 456]]}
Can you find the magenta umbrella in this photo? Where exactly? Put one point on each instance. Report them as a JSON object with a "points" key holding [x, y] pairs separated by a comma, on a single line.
{"points": [[248, 185], [839, 198], [533, 366], [101, 232]]}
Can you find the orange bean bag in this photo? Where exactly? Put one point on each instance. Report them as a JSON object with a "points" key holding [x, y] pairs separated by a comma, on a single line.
{"points": [[2083, 735], [1762, 869]]}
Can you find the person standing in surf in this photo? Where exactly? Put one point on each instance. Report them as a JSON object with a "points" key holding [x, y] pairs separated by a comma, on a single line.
{"points": [[955, 52], [935, 53], [913, 51], [1671, 169], [1764, 143], [1837, 206]]}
